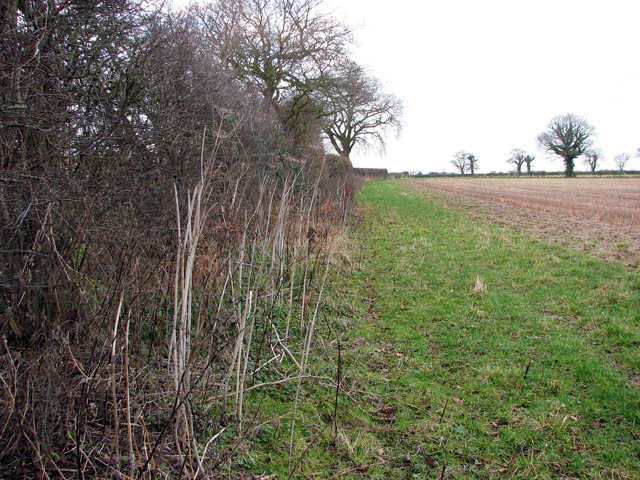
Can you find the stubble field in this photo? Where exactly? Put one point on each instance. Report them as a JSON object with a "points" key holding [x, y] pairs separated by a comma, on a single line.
{"points": [[600, 216]]}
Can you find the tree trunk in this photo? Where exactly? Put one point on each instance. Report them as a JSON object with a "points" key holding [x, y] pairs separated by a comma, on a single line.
{"points": [[568, 170]]}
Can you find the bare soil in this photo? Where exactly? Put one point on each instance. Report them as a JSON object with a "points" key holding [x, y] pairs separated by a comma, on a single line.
{"points": [[600, 216]]}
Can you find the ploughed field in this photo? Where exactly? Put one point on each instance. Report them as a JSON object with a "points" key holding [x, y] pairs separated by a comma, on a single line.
{"points": [[596, 215]]}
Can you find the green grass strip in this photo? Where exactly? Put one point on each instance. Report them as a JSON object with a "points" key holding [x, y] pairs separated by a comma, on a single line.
{"points": [[532, 349]]}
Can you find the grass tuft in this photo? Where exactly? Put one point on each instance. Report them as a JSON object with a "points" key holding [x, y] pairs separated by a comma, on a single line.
{"points": [[479, 287]]}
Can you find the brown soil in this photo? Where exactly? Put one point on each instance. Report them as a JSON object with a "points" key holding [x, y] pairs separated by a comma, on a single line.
{"points": [[600, 216]]}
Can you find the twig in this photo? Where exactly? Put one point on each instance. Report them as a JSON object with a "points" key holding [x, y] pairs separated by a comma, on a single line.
{"points": [[444, 410], [116, 422], [524, 378], [526, 371], [211, 440], [276, 382], [293, 359], [444, 467]]}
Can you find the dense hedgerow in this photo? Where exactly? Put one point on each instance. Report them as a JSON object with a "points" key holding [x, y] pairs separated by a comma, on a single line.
{"points": [[164, 232]]}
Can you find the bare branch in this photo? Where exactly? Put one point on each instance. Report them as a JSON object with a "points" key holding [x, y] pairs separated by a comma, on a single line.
{"points": [[361, 112]]}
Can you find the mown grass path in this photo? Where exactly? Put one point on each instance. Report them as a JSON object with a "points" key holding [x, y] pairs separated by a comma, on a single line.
{"points": [[532, 349]]}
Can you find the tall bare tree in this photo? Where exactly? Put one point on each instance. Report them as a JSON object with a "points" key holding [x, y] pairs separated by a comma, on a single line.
{"points": [[360, 112], [621, 160], [592, 158], [517, 158], [567, 136], [286, 49], [461, 161]]}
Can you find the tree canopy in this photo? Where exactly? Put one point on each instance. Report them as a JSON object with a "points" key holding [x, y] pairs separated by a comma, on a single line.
{"points": [[359, 111], [567, 136], [297, 57], [461, 161], [517, 158]]}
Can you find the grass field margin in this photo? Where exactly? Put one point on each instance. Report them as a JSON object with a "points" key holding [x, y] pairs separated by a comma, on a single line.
{"points": [[467, 351]]}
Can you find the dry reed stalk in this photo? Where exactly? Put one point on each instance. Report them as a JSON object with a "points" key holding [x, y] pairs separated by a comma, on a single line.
{"points": [[184, 272], [247, 349], [180, 344], [285, 207], [255, 279], [114, 397], [308, 253], [127, 395], [240, 379], [291, 286], [241, 321], [12, 392], [279, 242]]}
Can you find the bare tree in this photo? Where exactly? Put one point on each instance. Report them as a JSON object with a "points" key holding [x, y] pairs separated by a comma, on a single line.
{"points": [[528, 160], [621, 160], [461, 161], [592, 157], [567, 136], [360, 111], [286, 49], [517, 158]]}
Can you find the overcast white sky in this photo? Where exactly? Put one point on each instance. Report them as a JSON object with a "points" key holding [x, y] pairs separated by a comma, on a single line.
{"points": [[487, 76]]}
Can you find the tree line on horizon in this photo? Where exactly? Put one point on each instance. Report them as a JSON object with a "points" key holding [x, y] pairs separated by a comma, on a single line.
{"points": [[567, 136]]}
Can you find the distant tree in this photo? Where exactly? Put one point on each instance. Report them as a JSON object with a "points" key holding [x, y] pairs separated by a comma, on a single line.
{"points": [[592, 157], [460, 161], [359, 111], [567, 136], [472, 162], [621, 160], [517, 158], [529, 160]]}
